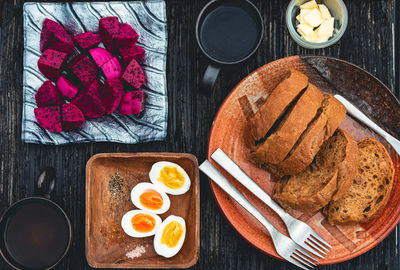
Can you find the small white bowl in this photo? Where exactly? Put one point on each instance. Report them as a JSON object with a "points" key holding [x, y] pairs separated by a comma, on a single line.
{"points": [[337, 9]]}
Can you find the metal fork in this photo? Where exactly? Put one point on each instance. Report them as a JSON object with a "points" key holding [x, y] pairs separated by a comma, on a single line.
{"points": [[299, 231], [284, 246]]}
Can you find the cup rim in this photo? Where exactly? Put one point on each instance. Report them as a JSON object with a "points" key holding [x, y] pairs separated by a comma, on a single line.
{"points": [[237, 61], [310, 45], [48, 201]]}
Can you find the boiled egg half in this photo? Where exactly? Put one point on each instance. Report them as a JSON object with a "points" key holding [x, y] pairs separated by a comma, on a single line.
{"points": [[171, 177], [149, 197], [170, 236], [139, 223]]}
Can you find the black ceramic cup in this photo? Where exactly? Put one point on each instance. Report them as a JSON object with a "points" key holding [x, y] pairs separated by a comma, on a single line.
{"points": [[228, 32], [35, 232]]}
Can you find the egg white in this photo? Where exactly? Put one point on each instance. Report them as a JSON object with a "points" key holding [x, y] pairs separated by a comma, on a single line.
{"points": [[162, 249], [128, 228], [155, 174], [140, 188]]}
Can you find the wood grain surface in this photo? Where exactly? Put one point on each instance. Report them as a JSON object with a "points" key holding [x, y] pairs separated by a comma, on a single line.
{"points": [[369, 42]]}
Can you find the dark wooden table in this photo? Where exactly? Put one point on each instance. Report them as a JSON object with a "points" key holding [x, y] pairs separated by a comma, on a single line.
{"points": [[371, 41]]}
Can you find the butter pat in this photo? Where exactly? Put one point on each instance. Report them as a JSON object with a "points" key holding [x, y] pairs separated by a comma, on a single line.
{"points": [[314, 18], [326, 27], [309, 5], [304, 29], [325, 14]]}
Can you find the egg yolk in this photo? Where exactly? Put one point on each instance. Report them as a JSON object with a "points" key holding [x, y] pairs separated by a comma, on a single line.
{"points": [[171, 177], [171, 234], [143, 223], [151, 199]]}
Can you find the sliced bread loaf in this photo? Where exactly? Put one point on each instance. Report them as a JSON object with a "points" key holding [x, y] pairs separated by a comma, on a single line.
{"points": [[314, 187], [276, 147], [276, 104], [318, 130], [369, 191]]}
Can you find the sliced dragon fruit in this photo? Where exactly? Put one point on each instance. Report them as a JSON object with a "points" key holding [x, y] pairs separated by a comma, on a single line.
{"points": [[126, 36], [72, 117], [51, 62], [54, 36], [100, 56], [108, 28], [111, 95], [89, 101], [87, 40], [83, 69], [49, 118], [67, 88], [48, 95], [133, 74], [112, 69], [132, 102], [132, 52]]}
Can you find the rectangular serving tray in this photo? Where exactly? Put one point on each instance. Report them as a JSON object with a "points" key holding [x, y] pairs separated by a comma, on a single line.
{"points": [[106, 243]]}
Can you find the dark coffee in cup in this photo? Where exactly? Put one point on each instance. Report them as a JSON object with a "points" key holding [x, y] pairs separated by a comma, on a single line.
{"points": [[36, 234]]}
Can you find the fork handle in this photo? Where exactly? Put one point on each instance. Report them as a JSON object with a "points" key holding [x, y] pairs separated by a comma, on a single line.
{"points": [[207, 168], [356, 113], [232, 168]]}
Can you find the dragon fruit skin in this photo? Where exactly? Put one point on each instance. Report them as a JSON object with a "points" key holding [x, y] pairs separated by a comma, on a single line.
{"points": [[66, 87], [54, 36], [83, 69], [112, 69], [132, 102], [47, 95], [51, 62], [133, 74], [49, 118], [132, 52], [72, 117], [87, 40], [111, 95], [100, 56], [89, 101]]}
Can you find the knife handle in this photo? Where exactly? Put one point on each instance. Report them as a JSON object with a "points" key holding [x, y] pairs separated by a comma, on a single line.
{"points": [[356, 113]]}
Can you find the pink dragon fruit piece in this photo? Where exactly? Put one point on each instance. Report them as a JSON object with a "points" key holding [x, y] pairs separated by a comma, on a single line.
{"points": [[51, 62], [126, 36], [108, 28], [72, 117], [67, 88], [100, 56], [49, 118], [48, 95], [54, 36], [111, 95], [132, 102], [112, 69], [132, 52], [89, 101], [133, 74], [87, 40], [83, 69]]}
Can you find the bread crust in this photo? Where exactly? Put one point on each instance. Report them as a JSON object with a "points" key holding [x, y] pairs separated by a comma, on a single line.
{"points": [[276, 147], [276, 103]]}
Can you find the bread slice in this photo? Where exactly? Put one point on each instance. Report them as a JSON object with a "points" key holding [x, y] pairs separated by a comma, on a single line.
{"points": [[334, 165], [276, 104], [319, 130], [369, 191], [276, 147]]}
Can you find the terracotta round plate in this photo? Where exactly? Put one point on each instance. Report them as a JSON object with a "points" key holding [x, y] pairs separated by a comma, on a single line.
{"points": [[230, 133]]}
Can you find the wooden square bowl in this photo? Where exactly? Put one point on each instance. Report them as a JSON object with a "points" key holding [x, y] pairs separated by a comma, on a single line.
{"points": [[106, 243]]}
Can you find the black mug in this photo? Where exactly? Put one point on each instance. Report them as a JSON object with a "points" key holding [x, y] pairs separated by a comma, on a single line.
{"points": [[35, 232], [228, 32]]}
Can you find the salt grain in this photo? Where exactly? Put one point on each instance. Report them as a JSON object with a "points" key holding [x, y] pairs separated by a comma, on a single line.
{"points": [[136, 252]]}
